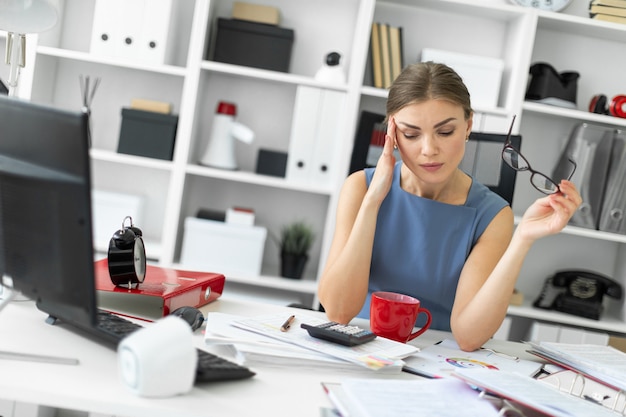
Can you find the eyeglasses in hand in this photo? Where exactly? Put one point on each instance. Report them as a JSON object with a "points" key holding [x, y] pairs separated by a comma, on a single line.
{"points": [[514, 158]]}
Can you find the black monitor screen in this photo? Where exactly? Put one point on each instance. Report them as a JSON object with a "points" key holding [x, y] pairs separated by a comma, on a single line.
{"points": [[45, 208]]}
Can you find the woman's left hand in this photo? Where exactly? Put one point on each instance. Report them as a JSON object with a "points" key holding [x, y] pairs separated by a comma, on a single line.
{"points": [[550, 214]]}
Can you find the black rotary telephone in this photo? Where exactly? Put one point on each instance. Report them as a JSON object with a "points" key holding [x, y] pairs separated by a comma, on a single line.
{"points": [[577, 292]]}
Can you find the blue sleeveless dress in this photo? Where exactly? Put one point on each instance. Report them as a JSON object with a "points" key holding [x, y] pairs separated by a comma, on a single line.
{"points": [[421, 245]]}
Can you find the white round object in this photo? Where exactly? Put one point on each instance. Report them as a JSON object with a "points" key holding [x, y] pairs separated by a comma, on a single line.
{"points": [[159, 360]]}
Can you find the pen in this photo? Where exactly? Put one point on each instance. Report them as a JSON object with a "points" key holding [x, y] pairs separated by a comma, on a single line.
{"points": [[287, 324], [504, 355]]}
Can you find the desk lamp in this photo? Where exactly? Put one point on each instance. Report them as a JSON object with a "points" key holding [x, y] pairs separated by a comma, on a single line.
{"points": [[19, 17]]}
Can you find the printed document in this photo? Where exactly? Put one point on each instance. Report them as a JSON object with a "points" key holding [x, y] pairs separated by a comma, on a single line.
{"points": [[443, 358], [532, 393], [393, 398]]}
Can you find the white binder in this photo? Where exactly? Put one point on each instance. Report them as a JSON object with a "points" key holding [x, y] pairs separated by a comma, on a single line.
{"points": [[154, 32], [315, 135], [104, 36], [135, 30], [303, 134], [128, 30], [328, 138]]}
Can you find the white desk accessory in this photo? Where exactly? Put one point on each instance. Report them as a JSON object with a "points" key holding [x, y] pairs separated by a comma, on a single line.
{"points": [[159, 360]]}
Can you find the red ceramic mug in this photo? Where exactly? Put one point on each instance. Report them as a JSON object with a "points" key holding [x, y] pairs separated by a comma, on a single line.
{"points": [[393, 315]]}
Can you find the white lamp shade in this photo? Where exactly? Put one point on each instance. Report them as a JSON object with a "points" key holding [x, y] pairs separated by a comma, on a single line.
{"points": [[27, 16]]}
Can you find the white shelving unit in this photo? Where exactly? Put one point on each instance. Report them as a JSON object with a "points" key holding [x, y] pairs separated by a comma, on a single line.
{"points": [[571, 41], [175, 189]]}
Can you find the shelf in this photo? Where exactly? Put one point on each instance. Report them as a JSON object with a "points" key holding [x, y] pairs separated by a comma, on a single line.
{"points": [[267, 75], [581, 26], [138, 161], [89, 58], [304, 286], [285, 284], [383, 93], [607, 323], [590, 233], [252, 178], [578, 115], [459, 7]]}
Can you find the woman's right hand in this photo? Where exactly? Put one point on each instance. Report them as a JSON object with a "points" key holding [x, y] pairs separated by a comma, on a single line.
{"points": [[381, 181]]}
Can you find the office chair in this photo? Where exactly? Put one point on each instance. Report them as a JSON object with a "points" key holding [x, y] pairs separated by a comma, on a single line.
{"points": [[483, 161]]}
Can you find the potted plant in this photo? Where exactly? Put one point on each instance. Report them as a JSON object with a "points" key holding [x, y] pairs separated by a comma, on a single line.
{"points": [[295, 242]]}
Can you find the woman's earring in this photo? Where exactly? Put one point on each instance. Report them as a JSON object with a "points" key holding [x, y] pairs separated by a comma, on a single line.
{"points": [[395, 146], [467, 139]]}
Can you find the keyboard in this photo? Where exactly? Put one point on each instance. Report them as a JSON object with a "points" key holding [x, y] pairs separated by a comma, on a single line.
{"points": [[210, 367]]}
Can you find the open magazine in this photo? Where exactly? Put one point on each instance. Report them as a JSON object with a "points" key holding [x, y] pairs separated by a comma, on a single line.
{"points": [[443, 358]]}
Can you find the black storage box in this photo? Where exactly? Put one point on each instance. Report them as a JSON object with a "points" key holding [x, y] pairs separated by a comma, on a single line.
{"points": [[146, 133], [272, 163], [253, 44]]}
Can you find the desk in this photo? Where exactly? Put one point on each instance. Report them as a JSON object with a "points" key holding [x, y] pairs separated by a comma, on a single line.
{"points": [[94, 386]]}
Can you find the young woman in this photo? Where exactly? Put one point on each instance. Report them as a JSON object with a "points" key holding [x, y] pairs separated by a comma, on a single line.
{"points": [[422, 227]]}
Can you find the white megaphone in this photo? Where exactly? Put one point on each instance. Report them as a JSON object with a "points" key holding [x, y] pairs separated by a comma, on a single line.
{"points": [[220, 152]]}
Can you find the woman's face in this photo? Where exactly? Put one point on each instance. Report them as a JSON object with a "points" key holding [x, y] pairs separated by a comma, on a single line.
{"points": [[431, 138]]}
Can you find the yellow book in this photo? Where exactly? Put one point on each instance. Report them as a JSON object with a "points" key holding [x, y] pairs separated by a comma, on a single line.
{"points": [[377, 66], [609, 18], [395, 46], [608, 10], [612, 3], [385, 54]]}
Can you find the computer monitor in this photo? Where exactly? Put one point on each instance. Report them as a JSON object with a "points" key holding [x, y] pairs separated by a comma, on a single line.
{"points": [[46, 249]]}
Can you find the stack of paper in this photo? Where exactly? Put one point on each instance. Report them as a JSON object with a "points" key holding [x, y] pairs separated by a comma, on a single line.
{"points": [[261, 340]]}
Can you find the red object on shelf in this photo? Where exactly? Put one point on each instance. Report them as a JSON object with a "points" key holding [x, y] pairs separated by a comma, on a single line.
{"points": [[163, 291]]}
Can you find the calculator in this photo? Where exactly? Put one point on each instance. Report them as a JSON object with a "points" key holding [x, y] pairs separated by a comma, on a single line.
{"points": [[339, 333]]}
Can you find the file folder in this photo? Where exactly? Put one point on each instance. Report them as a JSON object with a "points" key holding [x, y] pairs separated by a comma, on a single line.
{"points": [[163, 291], [590, 146], [614, 204]]}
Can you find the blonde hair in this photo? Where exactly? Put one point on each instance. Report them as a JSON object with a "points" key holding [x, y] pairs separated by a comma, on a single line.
{"points": [[427, 81]]}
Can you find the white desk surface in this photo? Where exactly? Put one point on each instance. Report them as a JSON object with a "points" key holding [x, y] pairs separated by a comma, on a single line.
{"points": [[94, 386]]}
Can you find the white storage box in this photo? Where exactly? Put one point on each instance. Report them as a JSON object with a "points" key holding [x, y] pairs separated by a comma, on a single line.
{"points": [[481, 75], [109, 211], [228, 249]]}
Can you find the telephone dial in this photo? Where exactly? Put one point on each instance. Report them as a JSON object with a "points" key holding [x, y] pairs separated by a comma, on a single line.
{"points": [[577, 292]]}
